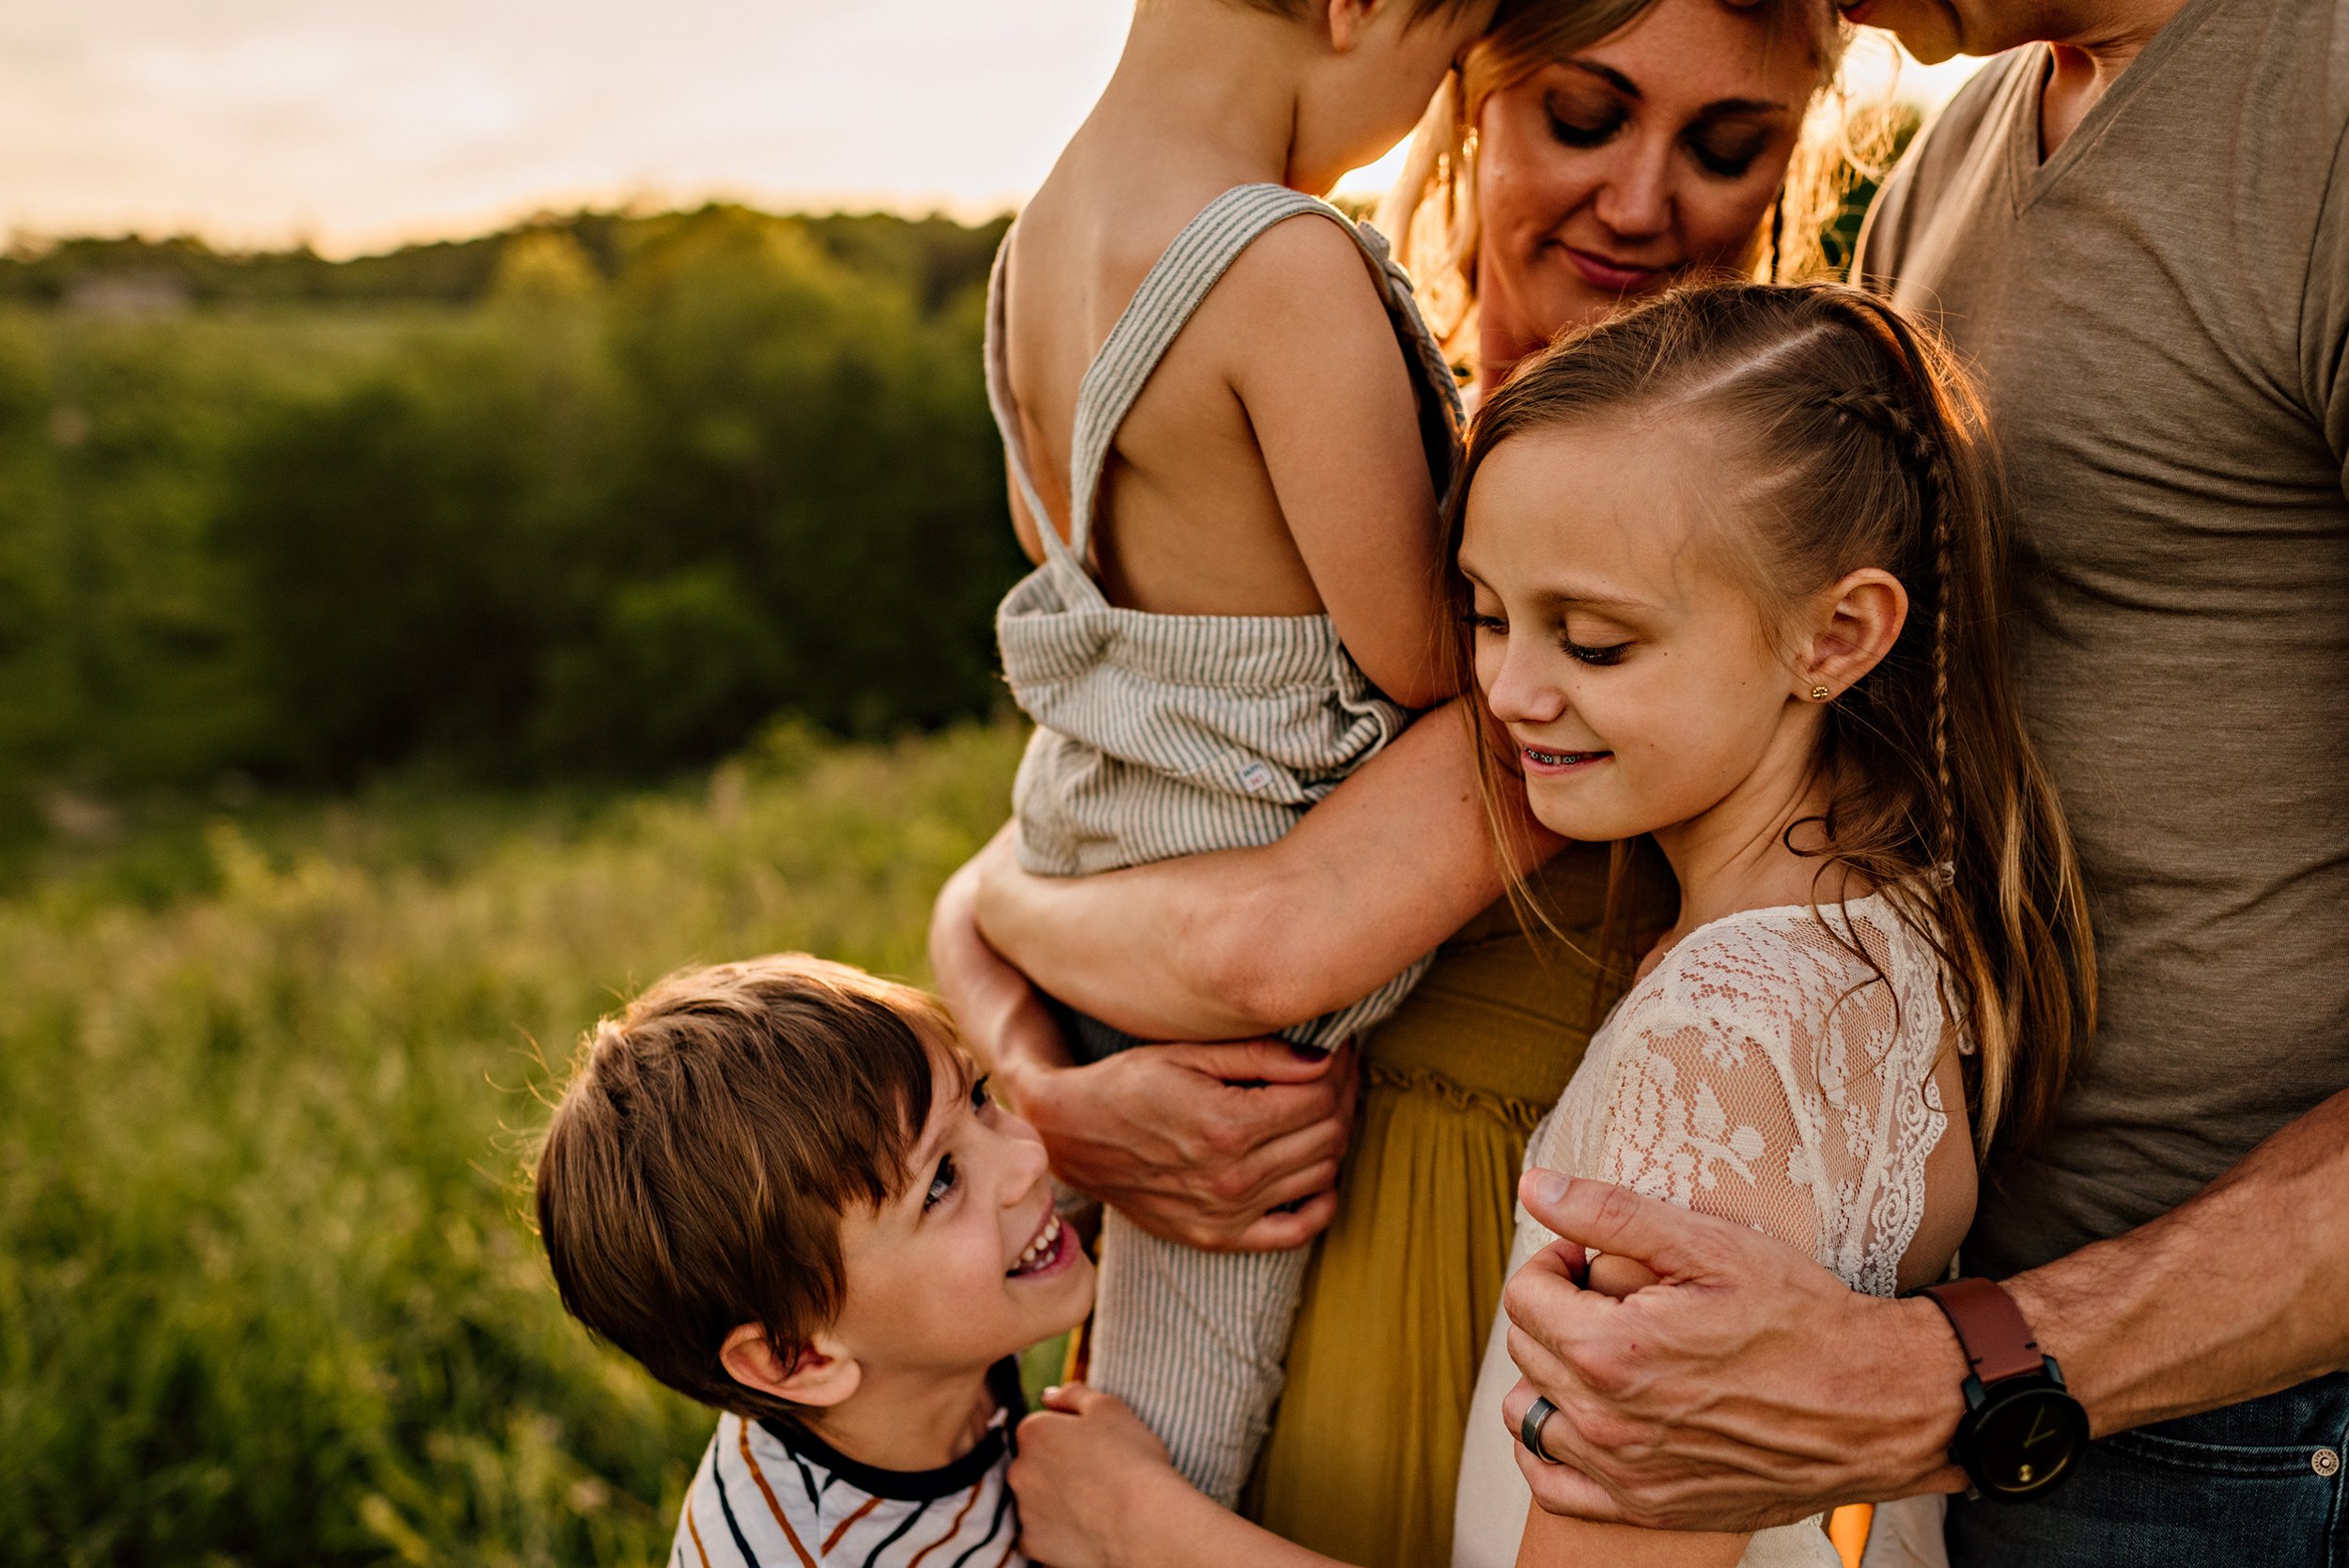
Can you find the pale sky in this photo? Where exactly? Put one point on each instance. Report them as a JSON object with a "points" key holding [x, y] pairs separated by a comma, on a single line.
{"points": [[359, 124]]}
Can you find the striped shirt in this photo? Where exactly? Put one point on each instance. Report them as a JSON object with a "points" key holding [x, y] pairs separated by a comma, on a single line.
{"points": [[769, 1495]]}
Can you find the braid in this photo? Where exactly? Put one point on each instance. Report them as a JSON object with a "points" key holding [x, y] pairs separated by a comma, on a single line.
{"points": [[1937, 492], [1926, 461]]}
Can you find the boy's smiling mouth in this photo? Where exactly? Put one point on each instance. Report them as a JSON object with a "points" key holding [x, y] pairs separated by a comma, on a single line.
{"points": [[1047, 1253]]}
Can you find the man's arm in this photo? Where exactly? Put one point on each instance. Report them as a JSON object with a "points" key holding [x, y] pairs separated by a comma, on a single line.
{"points": [[1246, 941], [1750, 1388]]}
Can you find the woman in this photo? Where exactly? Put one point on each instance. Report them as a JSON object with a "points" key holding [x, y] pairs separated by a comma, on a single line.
{"points": [[1583, 154]]}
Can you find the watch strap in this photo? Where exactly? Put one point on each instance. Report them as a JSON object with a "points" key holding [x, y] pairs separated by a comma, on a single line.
{"points": [[1990, 1327]]}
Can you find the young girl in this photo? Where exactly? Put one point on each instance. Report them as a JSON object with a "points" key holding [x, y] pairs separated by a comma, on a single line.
{"points": [[1731, 580]]}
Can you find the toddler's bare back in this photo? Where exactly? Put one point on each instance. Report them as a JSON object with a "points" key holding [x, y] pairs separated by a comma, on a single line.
{"points": [[1272, 464]]}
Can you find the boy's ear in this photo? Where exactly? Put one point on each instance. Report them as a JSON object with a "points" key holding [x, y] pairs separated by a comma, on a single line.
{"points": [[1859, 619], [822, 1376]]}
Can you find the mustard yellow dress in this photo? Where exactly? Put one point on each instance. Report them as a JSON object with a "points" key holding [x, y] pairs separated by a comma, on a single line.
{"points": [[1366, 1446]]}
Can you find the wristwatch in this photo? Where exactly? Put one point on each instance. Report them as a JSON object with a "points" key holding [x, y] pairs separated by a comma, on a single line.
{"points": [[2022, 1432]]}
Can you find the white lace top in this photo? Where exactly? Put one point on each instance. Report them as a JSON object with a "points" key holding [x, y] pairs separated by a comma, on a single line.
{"points": [[1765, 1072]]}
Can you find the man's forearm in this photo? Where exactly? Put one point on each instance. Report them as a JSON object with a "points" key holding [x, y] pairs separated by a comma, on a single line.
{"points": [[2236, 1294]]}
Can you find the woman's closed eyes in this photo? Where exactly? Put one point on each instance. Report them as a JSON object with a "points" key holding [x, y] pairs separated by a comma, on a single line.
{"points": [[1723, 144]]}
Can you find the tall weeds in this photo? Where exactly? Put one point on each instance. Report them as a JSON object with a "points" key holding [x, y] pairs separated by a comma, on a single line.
{"points": [[266, 1290]]}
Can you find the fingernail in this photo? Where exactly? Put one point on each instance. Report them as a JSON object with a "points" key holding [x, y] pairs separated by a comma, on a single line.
{"points": [[1305, 1053], [1549, 1188]]}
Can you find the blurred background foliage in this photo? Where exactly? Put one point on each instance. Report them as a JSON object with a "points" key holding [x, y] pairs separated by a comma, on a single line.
{"points": [[593, 497], [268, 1293]]}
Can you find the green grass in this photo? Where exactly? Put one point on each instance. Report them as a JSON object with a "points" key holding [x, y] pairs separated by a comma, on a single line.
{"points": [[267, 1295]]}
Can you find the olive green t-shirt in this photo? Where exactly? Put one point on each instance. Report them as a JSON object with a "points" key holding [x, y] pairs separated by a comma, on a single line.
{"points": [[2157, 316]]}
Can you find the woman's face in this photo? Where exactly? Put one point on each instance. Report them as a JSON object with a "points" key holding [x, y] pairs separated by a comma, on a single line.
{"points": [[1619, 168]]}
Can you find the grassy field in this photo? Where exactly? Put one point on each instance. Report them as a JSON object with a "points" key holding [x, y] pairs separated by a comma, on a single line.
{"points": [[266, 1290]]}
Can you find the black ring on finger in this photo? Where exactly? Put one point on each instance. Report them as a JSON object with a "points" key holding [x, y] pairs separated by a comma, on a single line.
{"points": [[1530, 1428]]}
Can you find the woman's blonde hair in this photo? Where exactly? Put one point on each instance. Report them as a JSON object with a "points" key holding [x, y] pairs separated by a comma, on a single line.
{"points": [[1431, 216], [1869, 450]]}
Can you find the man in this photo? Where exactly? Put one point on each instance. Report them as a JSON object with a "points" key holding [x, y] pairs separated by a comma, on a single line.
{"points": [[2135, 225]]}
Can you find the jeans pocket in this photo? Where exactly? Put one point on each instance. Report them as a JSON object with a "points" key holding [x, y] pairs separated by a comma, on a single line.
{"points": [[2280, 1461]]}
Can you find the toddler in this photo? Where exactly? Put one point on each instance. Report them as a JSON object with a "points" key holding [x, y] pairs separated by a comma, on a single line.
{"points": [[1189, 348]]}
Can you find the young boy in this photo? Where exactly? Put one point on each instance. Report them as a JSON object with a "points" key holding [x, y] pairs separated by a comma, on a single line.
{"points": [[1187, 345], [781, 1187]]}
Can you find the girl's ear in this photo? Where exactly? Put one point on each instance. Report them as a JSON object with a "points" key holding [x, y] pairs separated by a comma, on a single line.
{"points": [[823, 1375], [1347, 20], [1856, 623]]}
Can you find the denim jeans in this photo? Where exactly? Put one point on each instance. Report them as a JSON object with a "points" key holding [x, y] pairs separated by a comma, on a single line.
{"points": [[2257, 1485]]}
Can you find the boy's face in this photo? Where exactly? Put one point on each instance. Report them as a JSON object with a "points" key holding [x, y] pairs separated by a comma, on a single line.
{"points": [[969, 1263]]}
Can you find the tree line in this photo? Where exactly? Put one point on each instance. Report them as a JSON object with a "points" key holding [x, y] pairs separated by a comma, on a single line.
{"points": [[594, 496]]}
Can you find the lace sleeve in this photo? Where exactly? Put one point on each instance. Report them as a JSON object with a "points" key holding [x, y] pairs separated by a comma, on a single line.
{"points": [[1765, 1074]]}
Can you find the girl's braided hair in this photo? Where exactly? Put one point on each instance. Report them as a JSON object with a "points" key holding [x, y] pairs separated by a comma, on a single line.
{"points": [[1867, 448]]}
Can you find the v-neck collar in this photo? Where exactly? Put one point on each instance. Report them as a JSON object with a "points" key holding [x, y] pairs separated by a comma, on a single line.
{"points": [[2032, 178]]}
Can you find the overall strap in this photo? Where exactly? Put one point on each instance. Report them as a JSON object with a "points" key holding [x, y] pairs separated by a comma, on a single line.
{"points": [[1182, 277], [1192, 265]]}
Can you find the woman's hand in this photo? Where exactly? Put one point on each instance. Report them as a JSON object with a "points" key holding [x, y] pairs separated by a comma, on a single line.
{"points": [[1195, 1144], [1201, 1144]]}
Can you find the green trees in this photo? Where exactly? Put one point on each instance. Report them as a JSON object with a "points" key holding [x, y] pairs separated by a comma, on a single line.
{"points": [[652, 482]]}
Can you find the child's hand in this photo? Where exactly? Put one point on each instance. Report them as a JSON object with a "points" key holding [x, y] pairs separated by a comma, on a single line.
{"points": [[1618, 1277], [1087, 1473], [1607, 1273]]}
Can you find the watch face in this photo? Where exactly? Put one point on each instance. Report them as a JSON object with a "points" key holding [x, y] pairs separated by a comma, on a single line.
{"points": [[2024, 1440]]}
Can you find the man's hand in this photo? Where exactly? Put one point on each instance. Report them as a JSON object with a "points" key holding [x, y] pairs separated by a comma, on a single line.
{"points": [[1201, 1144], [1746, 1388]]}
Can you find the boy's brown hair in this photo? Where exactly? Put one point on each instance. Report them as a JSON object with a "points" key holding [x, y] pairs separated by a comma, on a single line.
{"points": [[695, 1173]]}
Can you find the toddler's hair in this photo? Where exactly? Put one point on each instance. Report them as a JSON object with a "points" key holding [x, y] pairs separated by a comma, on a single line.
{"points": [[695, 1170], [1867, 448]]}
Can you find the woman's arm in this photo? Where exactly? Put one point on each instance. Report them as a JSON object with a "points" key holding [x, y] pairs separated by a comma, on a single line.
{"points": [[1201, 1144], [1096, 1491], [1247, 942]]}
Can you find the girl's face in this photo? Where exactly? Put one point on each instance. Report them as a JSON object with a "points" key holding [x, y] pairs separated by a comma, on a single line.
{"points": [[1633, 673], [1617, 170]]}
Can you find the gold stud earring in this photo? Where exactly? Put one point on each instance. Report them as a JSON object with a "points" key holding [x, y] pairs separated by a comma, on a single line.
{"points": [[1820, 693]]}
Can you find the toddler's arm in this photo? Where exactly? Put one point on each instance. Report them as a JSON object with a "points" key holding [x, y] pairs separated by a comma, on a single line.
{"points": [[1330, 394]]}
